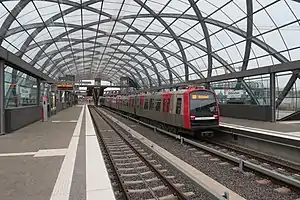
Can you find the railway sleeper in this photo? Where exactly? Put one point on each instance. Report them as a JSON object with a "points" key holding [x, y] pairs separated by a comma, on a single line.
{"points": [[142, 173], [121, 152], [157, 188], [132, 168], [114, 143], [147, 180], [140, 167], [172, 197], [131, 163], [117, 146], [122, 155], [124, 159]]}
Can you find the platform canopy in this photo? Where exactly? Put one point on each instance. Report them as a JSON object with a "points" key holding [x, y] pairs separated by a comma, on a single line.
{"points": [[155, 42]]}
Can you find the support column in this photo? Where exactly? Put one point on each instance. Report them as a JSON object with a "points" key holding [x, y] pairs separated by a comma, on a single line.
{"points": [[273, 96], [2, 96], [38, 87]]}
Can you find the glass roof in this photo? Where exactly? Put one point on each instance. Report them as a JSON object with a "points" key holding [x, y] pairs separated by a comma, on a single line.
{"points": [[155, 42]]}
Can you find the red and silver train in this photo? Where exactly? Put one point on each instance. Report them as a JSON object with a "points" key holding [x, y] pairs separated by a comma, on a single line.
{"points": [[192, 110]]}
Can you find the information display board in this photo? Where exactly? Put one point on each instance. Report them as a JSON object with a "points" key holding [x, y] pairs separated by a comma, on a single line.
{"points": [[64, 86]]}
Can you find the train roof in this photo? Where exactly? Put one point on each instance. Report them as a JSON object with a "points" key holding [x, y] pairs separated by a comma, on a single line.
{"points": [[164, 92]]}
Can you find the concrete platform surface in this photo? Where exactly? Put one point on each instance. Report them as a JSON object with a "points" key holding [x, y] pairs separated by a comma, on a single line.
{"points": [[47, 160], [278, 127]]}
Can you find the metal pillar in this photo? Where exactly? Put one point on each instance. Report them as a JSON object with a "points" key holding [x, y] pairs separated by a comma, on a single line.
{"points": [[273, 96], [2, 96], [38, 87]]}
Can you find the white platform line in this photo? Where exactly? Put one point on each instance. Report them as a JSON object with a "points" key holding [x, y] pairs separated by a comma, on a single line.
{"points": [[70, 121], [290, 122], [17, 154], [250, 128], [98, 185], [287, 135], [39, 153], [61, 190], [50, 152]]}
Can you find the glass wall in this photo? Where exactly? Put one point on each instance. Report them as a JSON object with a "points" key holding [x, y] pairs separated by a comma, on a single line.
{"points": [[20, 89], [255, 91]]}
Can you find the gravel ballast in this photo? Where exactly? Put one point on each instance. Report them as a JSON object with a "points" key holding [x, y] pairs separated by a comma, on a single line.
{"points": [[176, 176], [245, 184]]}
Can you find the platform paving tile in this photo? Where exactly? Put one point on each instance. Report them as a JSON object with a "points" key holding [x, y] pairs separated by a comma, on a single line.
{"points": [[42, 135], [28, 178], [280, 127]]}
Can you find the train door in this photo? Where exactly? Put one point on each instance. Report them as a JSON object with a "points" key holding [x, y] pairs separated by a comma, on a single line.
{"points": [[166, 107], [179, 110], [141, 105], [135, 103]]}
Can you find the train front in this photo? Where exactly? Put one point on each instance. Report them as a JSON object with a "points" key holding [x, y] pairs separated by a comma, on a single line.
{"points": [[203, 110]]}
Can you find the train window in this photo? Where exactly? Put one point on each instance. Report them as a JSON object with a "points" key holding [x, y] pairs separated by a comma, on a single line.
{"points": [[151, 104], [178, 106], [146, 106], [158, 103]]}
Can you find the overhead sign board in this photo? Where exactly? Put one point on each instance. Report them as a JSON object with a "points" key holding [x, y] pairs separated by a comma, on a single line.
{"points": [[235, 94], [64, 86]]}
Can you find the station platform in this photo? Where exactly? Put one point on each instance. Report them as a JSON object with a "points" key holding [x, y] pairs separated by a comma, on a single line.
{"points": [[279, 129], [58, 160]]}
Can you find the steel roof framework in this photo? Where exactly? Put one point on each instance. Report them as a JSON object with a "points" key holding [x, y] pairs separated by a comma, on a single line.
{"points": [[154, 42]]}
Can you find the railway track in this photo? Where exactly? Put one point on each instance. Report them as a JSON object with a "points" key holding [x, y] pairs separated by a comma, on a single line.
{"points": [[286, 175], [139, 176]]}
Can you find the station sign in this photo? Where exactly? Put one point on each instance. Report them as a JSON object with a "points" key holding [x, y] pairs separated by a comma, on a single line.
{"points": [[65, 86], [235, 94]]}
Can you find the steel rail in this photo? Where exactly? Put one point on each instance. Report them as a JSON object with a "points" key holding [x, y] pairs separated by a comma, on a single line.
{"points": [[170, 185], [109, 154], [295, 182]]}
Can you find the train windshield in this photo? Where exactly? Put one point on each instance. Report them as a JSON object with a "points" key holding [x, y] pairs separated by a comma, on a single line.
{"points": [[203, 104]]}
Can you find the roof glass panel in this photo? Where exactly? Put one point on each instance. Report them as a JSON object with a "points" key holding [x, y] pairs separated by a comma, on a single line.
{"points": [[122, 39]]}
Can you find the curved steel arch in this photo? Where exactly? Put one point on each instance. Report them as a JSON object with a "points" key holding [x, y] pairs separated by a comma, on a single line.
{"points": [[233, 29], [214, 22], [57, 61], [275, 54], [158, 17], [206, 36], [61, 66], [248, 34], [57, 16], [91, 38], [75, 6], [120, 51], [134, 75], [49, 42], [222, 25], [87, 40], [138, 71], [10, 19], [214, 55], [141, 33]]}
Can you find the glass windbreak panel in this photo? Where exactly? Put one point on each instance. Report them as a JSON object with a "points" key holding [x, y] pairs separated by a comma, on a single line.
{"points": [[203, 104], [20, 89]]}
